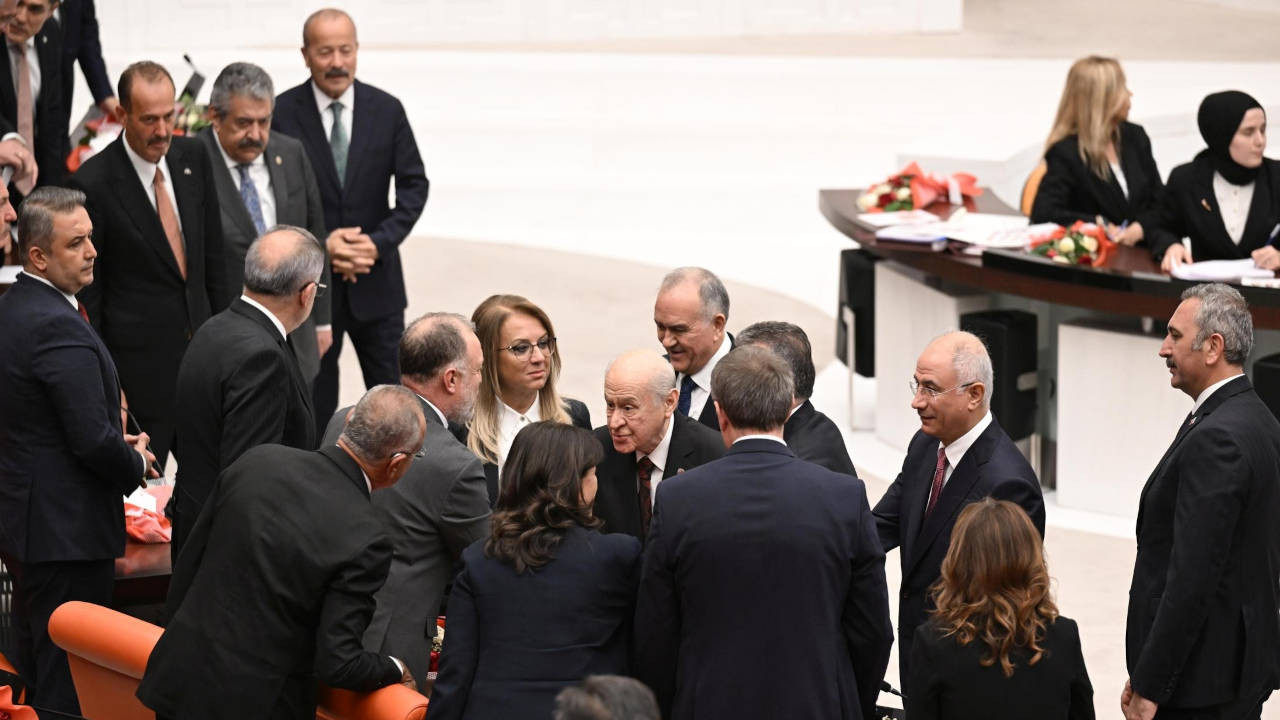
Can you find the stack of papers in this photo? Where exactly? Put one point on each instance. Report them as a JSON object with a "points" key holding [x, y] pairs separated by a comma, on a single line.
{"points": [[981, 230], [898, 217], [1220, 270]]}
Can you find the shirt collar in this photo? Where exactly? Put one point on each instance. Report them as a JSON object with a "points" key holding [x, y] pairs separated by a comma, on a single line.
{"points": [[323, 101], [533, 414], [956, 450], [443, 420], [270, 315], [1204, 394], [774, 438], [70, 298], [367, 483], [659, 455], [146, 170], [703, 377]]}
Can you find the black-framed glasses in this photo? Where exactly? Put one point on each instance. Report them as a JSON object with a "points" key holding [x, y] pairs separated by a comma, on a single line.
{"points": [[521, 350], [916, 388]]}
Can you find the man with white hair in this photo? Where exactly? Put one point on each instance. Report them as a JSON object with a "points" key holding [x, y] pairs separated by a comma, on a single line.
{"points": [[959, 455]]}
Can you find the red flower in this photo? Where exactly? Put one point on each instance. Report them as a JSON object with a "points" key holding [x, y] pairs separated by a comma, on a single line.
{"points": [[1052, 253]]}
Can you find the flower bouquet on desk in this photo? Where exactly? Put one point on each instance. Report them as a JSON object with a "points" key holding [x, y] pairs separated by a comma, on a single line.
{"points": [[913, 189], [1081, 244]]}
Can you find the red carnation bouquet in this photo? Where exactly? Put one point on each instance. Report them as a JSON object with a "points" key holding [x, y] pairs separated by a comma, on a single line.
{"points": [[913, 188], [1081, 244]]}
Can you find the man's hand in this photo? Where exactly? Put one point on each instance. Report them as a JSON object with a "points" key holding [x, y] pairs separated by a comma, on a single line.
{"points": [[351, 252], [139, 443], [1267, 258], [324, 341], [1135, 706], [17, 155], [1177, 254]]}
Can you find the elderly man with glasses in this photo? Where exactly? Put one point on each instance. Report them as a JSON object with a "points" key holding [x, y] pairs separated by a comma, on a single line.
{"points": [[959, 455]]}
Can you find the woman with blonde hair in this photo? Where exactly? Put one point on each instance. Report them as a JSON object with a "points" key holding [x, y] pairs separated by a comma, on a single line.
{"points": [[518, 383], [995, 646], [1098, 164]]}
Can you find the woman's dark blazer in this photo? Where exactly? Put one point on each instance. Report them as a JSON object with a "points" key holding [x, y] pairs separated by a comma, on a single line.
{"points": [[512, 642], [1070, 191], [579, 416], [1190, 209], [948, 680]]}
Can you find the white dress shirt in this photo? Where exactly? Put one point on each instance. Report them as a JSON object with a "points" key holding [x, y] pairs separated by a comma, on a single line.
{"points": [[702, 380], [956, 450], [348, 100], [1204, 394], [33, 62], [261, 178], [147, 176], [70, 298], [659, 459], [1233, 201], [270, 315], [511, 422], [1120, 178]]}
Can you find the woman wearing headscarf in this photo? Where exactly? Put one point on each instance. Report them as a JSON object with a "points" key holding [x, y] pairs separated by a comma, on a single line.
{"points": [[1098, 164], [1227, 199]]}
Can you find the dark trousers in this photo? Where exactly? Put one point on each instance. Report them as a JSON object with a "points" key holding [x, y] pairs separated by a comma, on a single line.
{"points": [[38, 590], [1246, 707], [377, 343]]}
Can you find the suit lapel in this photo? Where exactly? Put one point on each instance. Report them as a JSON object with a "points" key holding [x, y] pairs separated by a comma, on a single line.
{"points": [[133, 198], [679, 451], [954, 492], [361, 116], [1215, 228], [186, 195], [279, 180], [348, 466], [312, 130], [228, 195]]}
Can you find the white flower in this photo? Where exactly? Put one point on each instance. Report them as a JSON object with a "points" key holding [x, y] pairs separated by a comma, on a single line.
{"points": [[1061, 259], [903, 193], [1066, 245], [882, 188], [1089, 243], [866, 202]]}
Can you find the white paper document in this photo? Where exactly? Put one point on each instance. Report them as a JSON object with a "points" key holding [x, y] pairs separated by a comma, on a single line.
{"points": [[1220, 270], [898, 217]]}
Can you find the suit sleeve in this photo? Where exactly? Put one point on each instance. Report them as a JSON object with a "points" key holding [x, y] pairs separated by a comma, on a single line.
{"points": [[1025, 493], [71, 373], [411, 187], [888, 510], [657, 625], [217, 281], [466, 511], [254, 404], [1053, 199], [321, 311], [1165, 223], [1214, 477], [89, 54], [341, 660], [459, 655], [868, 629], [924, 699]]}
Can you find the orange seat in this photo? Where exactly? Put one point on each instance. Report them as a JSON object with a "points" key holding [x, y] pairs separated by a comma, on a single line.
{"points": [[108, 653], [1031, 187]]}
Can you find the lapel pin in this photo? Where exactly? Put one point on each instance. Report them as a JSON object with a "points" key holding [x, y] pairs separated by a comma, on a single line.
{"points": [[1193, 420], [186, 171], [279, 161], [1205, 204]]}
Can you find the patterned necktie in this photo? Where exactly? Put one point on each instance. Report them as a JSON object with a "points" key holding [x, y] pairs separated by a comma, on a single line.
{"points": [[26, 108], [169, 221], [644, 471], [249, 194], [686, 394], [338, 141], [936, 488]]}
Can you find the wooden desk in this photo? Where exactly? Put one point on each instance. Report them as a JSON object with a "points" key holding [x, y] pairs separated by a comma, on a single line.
{"points": [[1130, 284]]}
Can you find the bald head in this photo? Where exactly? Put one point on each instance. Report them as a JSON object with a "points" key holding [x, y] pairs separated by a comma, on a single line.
{"points": [[324, 16], [954, 379], [640, 396], [282, 261], [387, 421], [644, 367]]}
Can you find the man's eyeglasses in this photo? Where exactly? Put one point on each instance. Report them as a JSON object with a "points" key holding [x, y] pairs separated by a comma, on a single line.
{"points": [[320, 288], [420, 454], [916, 388], [522, 349]]}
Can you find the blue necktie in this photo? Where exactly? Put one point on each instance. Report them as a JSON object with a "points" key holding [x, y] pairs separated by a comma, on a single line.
{"points": [[249, 193], [686, 394]]}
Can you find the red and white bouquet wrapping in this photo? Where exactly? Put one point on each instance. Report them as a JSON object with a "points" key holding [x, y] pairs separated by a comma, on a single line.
{"points": [[912, 189]]}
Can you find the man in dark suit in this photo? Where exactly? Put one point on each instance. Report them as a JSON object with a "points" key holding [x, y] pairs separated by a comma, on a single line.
{"points": [[276, 585], [959, 455], [66, 461], [78, 20], [32, 100], [810, 434], [441, 505], [359, 139], [263, 180], [690, 314], [240, 385], [1203, 631], [756, 536], [162, 271], [645, 441]]}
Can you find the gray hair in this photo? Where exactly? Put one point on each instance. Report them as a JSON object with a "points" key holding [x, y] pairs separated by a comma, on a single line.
{"points": [[432, 344], [715, 299], [606, 697], [661, 380], [240, 79], [791, 344], [972, 364], [753, 387], [284, 276], [386, 421], [36, 214], [1223, 311]]}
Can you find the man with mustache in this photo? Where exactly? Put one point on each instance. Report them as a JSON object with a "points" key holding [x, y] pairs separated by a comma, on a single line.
{"points": [[162, 270], [358, 138], [263, 179]]}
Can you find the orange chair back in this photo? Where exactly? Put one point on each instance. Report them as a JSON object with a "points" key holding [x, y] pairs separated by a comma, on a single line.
{"points": [[1031, 187]]}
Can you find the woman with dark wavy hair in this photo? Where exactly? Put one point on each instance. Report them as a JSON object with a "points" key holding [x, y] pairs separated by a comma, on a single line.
{"points": [[995, 646], [546, 599]]}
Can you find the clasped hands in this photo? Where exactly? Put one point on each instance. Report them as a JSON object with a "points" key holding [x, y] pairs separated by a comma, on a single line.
{"points": [[351, 252]]}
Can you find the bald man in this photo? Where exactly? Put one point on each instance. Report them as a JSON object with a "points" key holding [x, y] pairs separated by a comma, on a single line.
{"points": [[645, 440], [240, 384], [959, 455]]}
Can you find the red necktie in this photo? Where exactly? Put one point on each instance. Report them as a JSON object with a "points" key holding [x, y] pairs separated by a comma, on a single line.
{"points": [[644, 470], [936, 489], [83, 312]]}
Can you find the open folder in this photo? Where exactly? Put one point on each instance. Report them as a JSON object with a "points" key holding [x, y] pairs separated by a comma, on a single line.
{"points": [[1220, 270]]}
